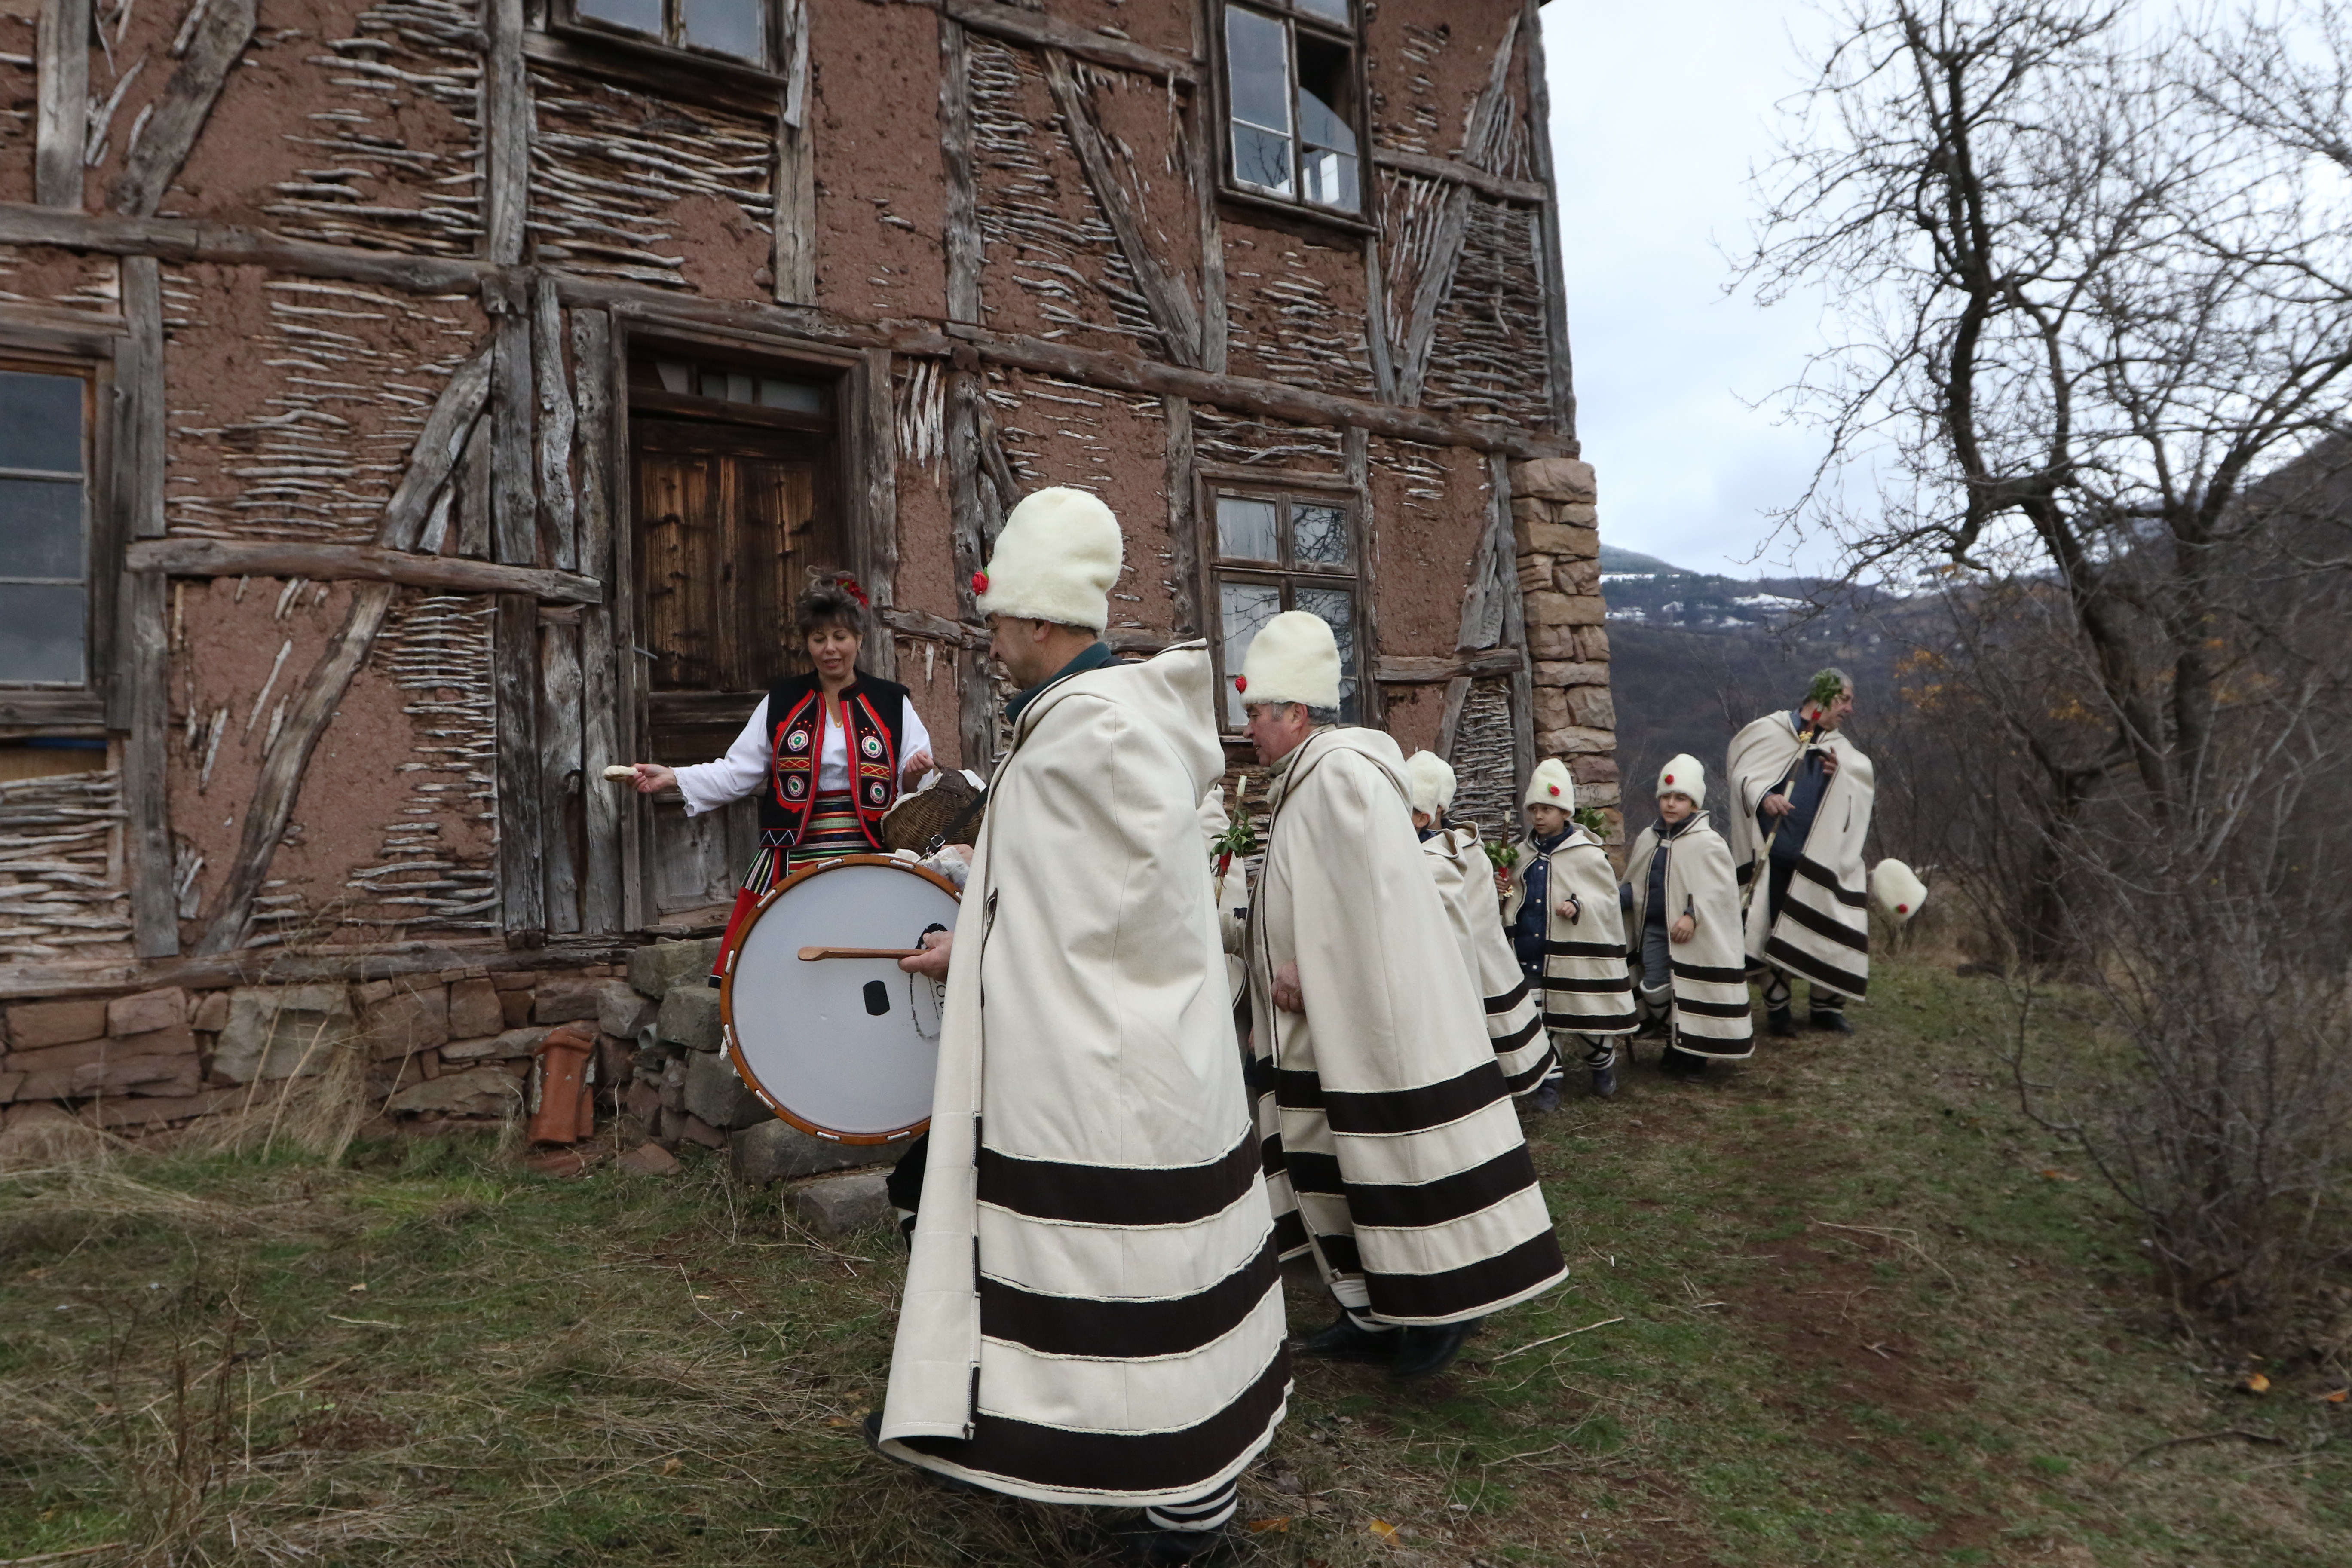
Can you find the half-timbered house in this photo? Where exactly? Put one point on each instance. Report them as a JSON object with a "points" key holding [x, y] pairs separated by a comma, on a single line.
{"points": [[408, 407]]}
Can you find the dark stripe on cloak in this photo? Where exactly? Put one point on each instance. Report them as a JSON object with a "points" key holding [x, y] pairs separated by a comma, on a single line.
{"points": [[1519, 1037], [1593, 1023], [1797, 961], [1272, 1158], [1118, 1194], [1316, 1173], [1459, 1292], [1415, 1205], [1415, 1109], [1591, 987], [1339, 1252], [1711, 974], [1583, 949], [1815, 872], [1712, 1009], [1118, 1462], [1127, 1331], [1297, 1090], [1713, 1046], [1508, 999], [1825, 925], [1290, 1234], [1520, 1082]]}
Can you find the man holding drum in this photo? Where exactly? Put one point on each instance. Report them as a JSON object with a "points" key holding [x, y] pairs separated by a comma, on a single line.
{"points": [[826, 751], [1094, 1310]]}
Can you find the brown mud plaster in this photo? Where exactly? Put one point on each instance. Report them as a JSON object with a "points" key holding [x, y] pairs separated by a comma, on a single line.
{"points": [[1427, 62], [20, 25], [727, 254], [881, 208], [1297, 308], [43, 275], [1432, 501]]}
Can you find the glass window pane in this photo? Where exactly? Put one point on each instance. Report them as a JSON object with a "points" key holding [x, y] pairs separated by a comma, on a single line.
{"points": [[41, 529], [737, 27], [1324, 93], [1241, 609], [1246, 529], [40, 422], [1257, 59], [1318, 535], [1329, 178], [675, 377], [799, 396], [40, 633], [1338, 606], [1261, 159], [637, 15], [1329, 10]]}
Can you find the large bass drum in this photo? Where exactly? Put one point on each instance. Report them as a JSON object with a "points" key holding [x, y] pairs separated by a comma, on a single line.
{"points": [[820, 1022]]}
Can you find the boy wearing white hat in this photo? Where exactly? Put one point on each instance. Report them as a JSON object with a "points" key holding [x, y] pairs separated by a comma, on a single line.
{"points": [[1568, 930], [1686, 914], [1087, 1010], [1465, 879], [1393, 1152]]}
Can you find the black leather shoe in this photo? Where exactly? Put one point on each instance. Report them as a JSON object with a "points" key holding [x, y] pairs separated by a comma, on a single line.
{"points": [[1778, 1024], [1680, 1063], [1604, 1082], [1146, 1545], [1834, 1021], [1343, 1341], [1545, 1097], [1428, 1352]]}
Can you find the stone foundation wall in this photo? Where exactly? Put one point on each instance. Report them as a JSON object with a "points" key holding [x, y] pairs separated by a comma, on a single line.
{"points": [[1555, 523]]}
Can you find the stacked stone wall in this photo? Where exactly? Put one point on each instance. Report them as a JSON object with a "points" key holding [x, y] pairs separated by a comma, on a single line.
{"points": [[1555, 523]]}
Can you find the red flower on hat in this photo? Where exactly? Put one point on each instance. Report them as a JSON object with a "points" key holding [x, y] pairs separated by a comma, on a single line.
{"points": [[1670, 778], [1902, 908], [1554, 788], [979, 582], [1241, 683]]}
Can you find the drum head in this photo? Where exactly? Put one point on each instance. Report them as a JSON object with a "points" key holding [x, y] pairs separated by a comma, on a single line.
{"points": [[845, 1048]]}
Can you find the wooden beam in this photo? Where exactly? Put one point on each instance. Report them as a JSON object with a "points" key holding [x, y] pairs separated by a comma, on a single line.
{"points": [[975, 724], [185, 557], [1493, 577], [937, 629], [514, 687], [1453, 170], [474, 493], [961, 237], [562, 772], [693, 78], [1449, 723], [794, 263], [1184, 585], [1421, 669], [559, 523], [162, 147], [143, 622], [1561, 365], [514, 509], [876, 445], [1356, 459], [437, 452], [1514, 631], [1203, 137], [1041, 29], [1435, 283], [279, 783], [61, 122], [186, 240], [506, 134], [1164, 294], [601, 824], [1376, 323]]}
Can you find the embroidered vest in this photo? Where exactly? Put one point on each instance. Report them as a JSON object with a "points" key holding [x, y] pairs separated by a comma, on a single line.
{"points": [[796, 720]]}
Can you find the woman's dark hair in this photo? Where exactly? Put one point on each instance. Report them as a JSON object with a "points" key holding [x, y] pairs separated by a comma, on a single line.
{"points": [[836, 603]]}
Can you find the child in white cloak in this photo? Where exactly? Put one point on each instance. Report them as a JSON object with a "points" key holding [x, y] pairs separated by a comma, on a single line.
{"points": [[1565, 925], [1684, 900]]}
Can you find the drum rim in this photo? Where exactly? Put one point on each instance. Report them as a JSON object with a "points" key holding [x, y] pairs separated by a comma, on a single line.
{"points": [[727, 995]]}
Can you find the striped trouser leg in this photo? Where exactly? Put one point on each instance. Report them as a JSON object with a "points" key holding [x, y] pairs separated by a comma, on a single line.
{"points": [[1211, 1510], [1599, 1051], [1827, 1001], [1777, 990]]}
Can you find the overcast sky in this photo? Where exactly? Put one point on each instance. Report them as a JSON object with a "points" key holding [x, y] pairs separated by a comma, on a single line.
{"points": [[1658, 114]]}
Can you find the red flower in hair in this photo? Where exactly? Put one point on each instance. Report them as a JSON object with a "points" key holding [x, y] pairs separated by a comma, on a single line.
{"points": [[979, 582], [849, 586], [1241, 683]]}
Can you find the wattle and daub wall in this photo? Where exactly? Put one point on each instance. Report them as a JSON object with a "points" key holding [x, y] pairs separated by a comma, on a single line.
{"points": [[355, 288]]}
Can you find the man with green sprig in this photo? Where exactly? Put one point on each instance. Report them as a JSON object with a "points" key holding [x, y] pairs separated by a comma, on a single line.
{"points": [[1802, 793]]}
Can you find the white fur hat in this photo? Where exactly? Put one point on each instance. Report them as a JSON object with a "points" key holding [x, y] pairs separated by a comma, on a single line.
{"points": [[1055, 561], [1682, 774], [1431, 778], [1293, 659], [1551, 786], [1897, 889]]}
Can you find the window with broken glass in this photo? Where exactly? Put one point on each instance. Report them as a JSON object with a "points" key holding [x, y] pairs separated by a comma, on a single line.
{"points": [[1292, 103], [738, 29], [1273, 553]]}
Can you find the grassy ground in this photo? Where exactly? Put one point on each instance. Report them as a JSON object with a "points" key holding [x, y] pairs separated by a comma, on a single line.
{"points": [[1839, 1306]]}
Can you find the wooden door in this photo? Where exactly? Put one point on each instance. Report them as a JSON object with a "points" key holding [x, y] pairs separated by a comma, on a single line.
{"points": [[730, 522]]}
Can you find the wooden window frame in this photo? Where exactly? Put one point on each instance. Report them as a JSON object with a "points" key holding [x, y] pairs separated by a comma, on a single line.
{"points": [[559, 36], [1285, 490], [565, 15], [1347, 35], [96, 705]]}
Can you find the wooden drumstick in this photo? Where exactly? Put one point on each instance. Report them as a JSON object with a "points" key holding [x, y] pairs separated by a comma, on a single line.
{"points": [[810, 954]]}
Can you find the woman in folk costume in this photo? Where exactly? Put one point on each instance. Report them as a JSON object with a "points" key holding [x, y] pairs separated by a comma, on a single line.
{"points": [[1568, 928], [1397, 1156], [1465, 878], [826, 751], [1687, 945], [1800, 812], [1093, 1312]]}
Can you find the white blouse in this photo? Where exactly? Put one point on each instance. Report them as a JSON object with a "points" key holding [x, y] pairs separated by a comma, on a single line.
{"points": [[707, 786]]}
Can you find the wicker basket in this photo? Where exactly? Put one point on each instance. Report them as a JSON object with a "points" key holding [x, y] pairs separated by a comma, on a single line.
{"points": [[946, 810]]}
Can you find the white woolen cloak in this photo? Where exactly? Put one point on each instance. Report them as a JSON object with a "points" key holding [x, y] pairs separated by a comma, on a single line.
{"points": [[1587, 987], [1093, 1311], [1709, 972], [1382, 1109], [1823, 935], [1465, 880]]}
